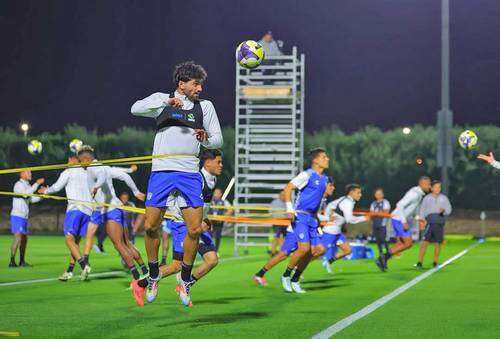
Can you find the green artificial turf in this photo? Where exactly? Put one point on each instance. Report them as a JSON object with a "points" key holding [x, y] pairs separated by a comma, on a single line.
{"points": [[459, 301]]}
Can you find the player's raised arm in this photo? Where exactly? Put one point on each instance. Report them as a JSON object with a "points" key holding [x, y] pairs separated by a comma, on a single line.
{"points": [[490, 159], [61, 182], [150, 106], [117, 173]]}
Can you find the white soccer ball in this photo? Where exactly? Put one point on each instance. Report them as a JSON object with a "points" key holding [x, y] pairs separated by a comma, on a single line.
{"points": [[467, 139], [75, 145], [249, 54], [35, 147]]}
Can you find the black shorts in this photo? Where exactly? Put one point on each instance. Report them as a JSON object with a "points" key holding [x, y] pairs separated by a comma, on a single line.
{"points": [[202, 250], [279, 231], [434, 233], [380, 233]]}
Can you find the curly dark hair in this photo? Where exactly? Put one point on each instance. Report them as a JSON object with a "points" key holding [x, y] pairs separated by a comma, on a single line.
{"points": [[188, 71], [209, 154]]}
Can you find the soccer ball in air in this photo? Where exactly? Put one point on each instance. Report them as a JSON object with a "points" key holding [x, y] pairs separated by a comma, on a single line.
{"points": [[75, 145], [35, 147], [249, 54], [467, 139]]}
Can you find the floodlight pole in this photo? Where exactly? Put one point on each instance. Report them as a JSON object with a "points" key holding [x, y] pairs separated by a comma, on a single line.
{"points": [[445, 115]]}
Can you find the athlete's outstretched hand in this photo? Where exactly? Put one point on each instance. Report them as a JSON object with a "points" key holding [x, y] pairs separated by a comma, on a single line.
{"points": [[175, 102], [488, 158], [42, 190], [133, 168], [40, 181]]}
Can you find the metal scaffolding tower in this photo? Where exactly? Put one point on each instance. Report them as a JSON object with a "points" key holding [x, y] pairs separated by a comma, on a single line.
{"points": [[269, 136]]}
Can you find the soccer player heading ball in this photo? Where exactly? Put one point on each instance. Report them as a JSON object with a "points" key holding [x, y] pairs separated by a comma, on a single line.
{"points": [[183, 123]]}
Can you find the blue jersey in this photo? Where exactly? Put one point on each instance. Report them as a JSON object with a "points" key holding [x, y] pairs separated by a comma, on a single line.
{"points": [[311, 187]]}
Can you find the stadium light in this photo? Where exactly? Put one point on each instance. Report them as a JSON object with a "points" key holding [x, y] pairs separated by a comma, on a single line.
{"points": [[25, 127], [406, 130]]}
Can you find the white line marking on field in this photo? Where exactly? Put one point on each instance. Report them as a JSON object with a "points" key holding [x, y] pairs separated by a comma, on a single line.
{"points": [[342, 324], [108, 274]]}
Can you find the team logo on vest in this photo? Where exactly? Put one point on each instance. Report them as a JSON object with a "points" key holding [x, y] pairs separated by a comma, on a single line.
{"points": [[150, 195], [177, 115], [190, 117]]}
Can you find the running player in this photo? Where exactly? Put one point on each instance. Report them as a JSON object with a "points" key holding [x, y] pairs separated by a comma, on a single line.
{"points": [[289, 246], [19, 216], [338, 213], [75, 182], [311, 185], [102, 178], [212, 167], [406, 208], [183, 123]]}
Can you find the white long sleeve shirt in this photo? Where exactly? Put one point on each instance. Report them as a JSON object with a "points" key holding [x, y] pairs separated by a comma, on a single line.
{"points": [[408, 206], [20, 206], [346, 205], [75, 183], [432, 204], [176, 139]]}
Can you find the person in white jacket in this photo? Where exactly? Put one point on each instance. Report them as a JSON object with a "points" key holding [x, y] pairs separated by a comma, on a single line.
{"points": [[338, 213], [19, 216], [75, 182], [406, 208]]}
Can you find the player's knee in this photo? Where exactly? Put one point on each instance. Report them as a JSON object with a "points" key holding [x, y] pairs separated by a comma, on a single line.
{"points": [[348, 251], [213, 261], [195, 231]]}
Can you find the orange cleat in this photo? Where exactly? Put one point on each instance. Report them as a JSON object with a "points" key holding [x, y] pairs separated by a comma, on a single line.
{"points": [[137, 292]]}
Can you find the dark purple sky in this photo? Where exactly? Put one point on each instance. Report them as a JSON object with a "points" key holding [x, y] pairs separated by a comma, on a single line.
{"points": [[368, 61]]}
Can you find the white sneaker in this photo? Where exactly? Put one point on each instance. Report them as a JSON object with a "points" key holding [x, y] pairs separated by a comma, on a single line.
{"points": [[327, 266], [152, 290], [296, 287], [85, 273], [183, 291], [96, 249], [285, 282], [66, 276]]}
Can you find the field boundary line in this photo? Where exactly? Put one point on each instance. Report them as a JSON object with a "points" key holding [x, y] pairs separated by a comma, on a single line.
{"points": [[110, 273], [346, 322]]}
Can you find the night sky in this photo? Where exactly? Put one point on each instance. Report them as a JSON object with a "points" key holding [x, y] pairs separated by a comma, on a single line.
{"points": [[367, 61]]}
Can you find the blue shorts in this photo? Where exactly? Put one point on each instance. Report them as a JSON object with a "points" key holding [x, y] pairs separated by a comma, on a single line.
{"points": [[96, 218], [166, 227], [162, 183], [179, 233], [305, 228], [18, 225], [290, 244], [399, 230], [332, 240], [75, 223], [116, 215]]}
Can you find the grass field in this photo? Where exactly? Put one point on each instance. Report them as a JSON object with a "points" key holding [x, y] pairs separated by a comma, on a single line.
{"points": [[460, 301]]}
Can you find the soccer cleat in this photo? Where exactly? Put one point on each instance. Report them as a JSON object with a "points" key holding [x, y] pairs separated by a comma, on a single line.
{"points": [[285, 282], [182, 289], [85, 273], [25, 264], [137, 292], [418, 266], [380, 264], [296, 287], [66, 276], [12, 264], [327, 266], [152, 289], [260, 280], [435, 265]]}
